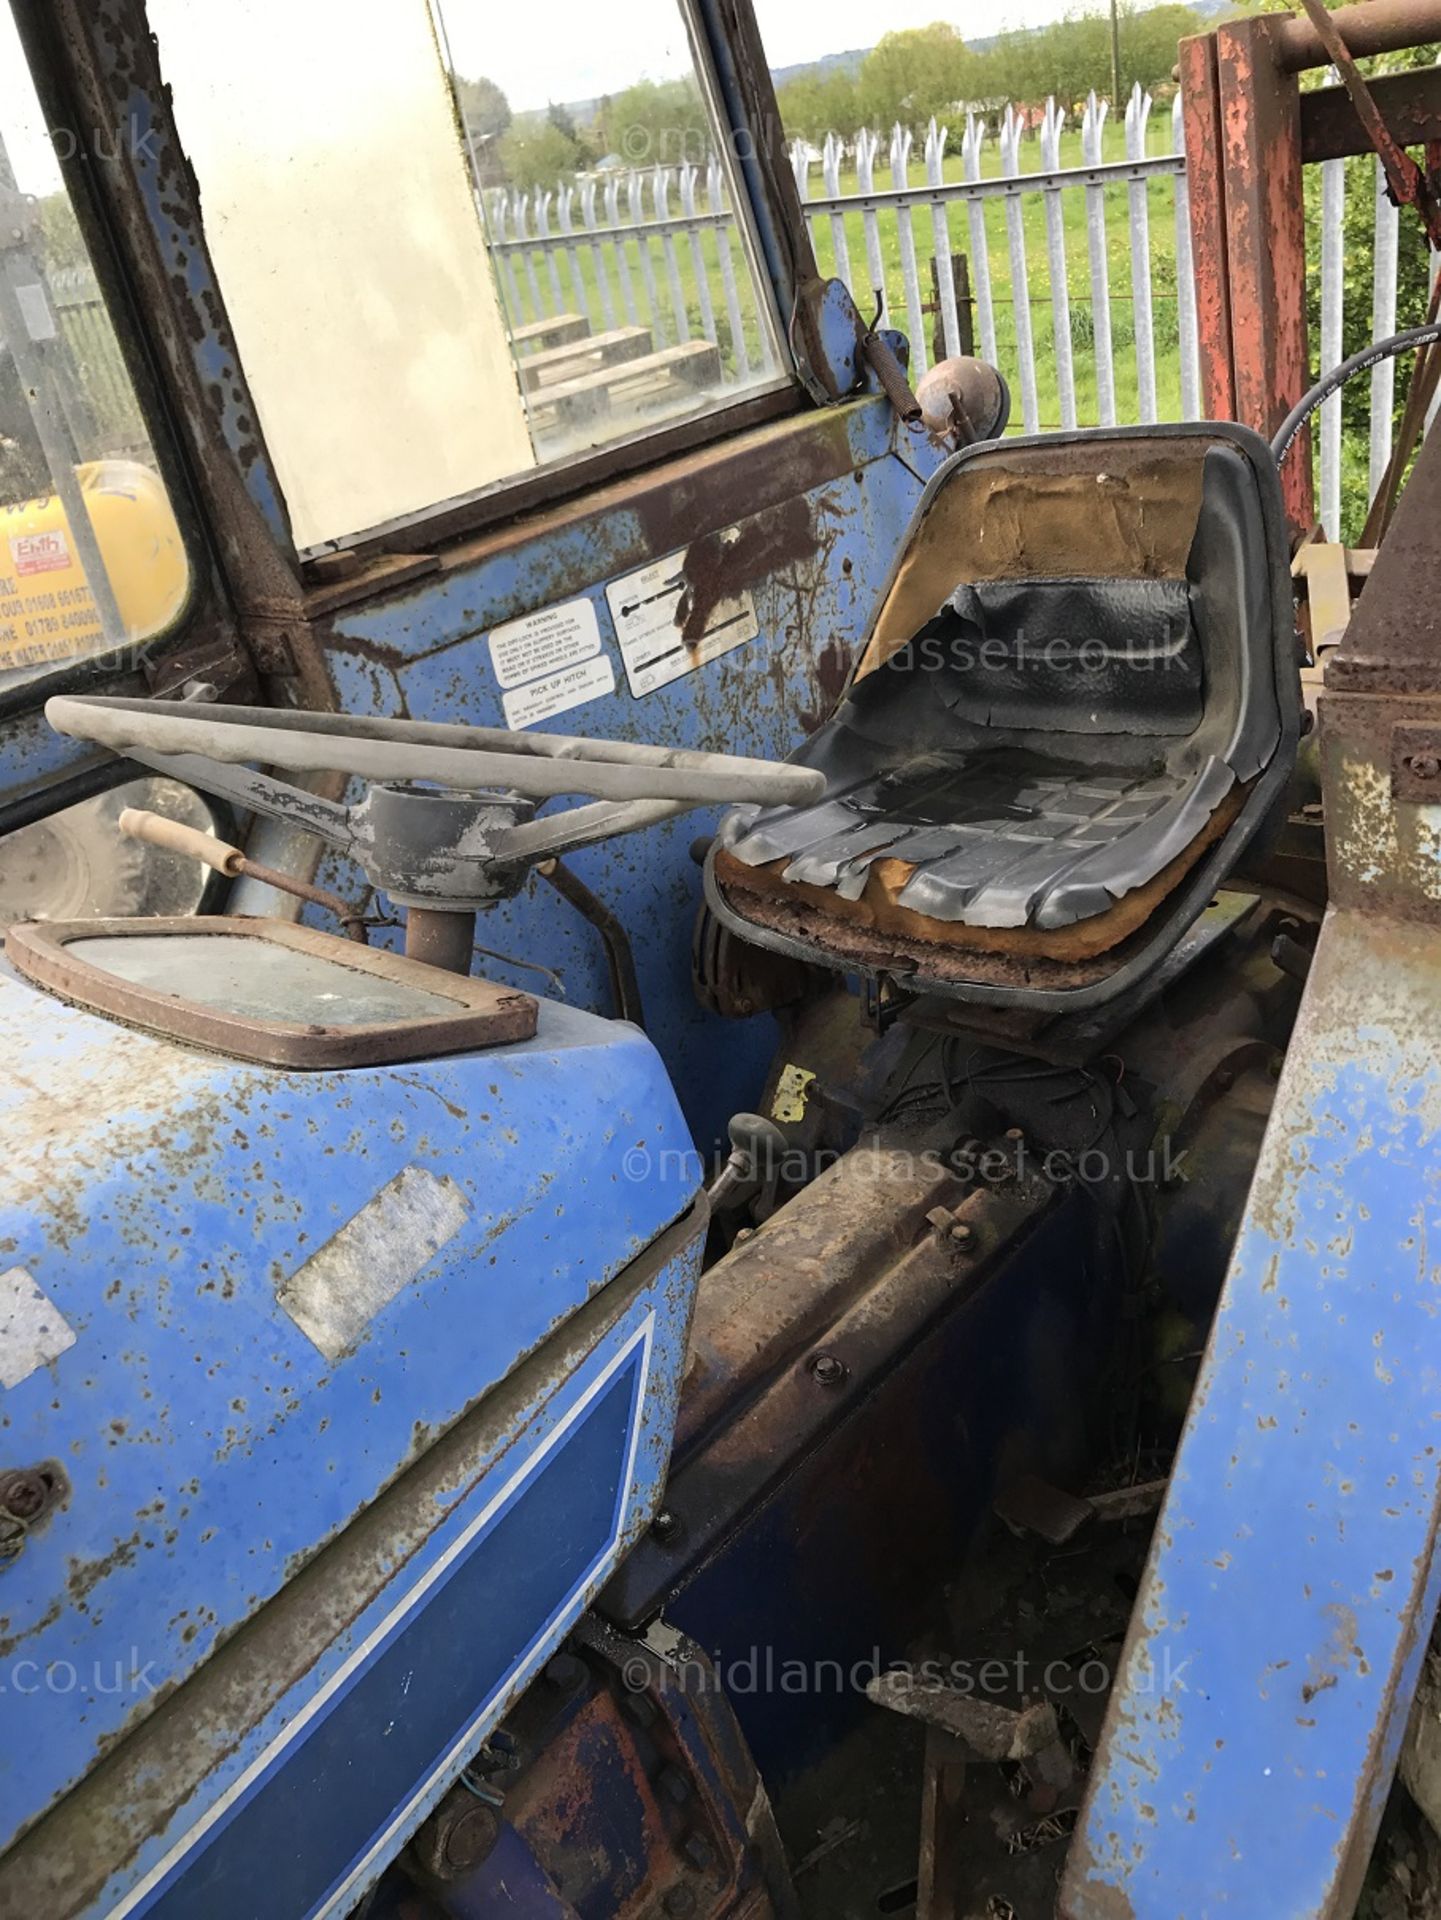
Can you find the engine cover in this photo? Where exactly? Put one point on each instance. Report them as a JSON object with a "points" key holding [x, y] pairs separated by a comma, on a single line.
{"points": [[377, 1364]]}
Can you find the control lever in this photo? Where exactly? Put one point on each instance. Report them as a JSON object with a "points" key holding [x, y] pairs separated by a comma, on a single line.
{"points": [[754, 1162], [173, 836]]}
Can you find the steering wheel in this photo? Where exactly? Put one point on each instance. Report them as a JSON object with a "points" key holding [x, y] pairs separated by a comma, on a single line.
{"points": [[448, 817]]}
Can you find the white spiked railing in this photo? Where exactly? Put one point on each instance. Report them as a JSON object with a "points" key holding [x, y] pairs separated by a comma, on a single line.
{"points": [[658, 248], [1056, 257], [1138, 112], [1083, 333]]}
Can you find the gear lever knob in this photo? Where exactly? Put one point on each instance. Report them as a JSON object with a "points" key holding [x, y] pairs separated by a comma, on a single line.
{"points": [[756, 1147]]}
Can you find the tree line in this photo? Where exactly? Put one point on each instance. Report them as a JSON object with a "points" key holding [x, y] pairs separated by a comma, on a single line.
{"points": [[654, 121], [907, 77]]}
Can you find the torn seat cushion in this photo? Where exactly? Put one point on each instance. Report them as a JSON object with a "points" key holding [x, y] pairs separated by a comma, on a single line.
{"points": [[1047, 746], [1068, 656]]}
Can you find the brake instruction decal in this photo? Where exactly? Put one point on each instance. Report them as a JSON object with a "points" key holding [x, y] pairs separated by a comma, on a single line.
{"points": [[644, 607]]}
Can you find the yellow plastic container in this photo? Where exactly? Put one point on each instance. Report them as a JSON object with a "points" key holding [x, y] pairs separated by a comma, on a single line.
{"points": [[47, 613]]}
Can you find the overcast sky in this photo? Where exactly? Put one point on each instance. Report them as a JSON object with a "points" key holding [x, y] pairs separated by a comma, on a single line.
{"points": [[548, 50], [592, 50]]}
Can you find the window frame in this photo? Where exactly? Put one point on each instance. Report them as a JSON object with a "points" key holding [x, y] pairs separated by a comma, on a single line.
{"points": [[75, 50], [204, 621], [557, 481]]}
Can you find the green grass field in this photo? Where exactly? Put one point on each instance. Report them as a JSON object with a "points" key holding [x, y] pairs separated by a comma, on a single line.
{"points": [[1161, 206]]}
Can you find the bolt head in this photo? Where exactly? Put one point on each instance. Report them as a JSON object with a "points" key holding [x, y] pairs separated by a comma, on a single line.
{"points": [[24, 1493], [827, 1370], [698, 1850], [639, 1709], [1425, 766]]}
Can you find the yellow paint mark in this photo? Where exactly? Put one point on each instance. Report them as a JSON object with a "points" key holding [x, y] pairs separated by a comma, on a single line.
{"points": [[792, 1092]]}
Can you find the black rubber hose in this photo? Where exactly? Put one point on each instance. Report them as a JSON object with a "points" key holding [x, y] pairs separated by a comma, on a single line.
{"points": [[1338, 376]]}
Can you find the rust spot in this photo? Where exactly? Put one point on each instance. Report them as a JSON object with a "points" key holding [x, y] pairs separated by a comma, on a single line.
{"points": [[86, 1575], [720, 565], [831, 669]]}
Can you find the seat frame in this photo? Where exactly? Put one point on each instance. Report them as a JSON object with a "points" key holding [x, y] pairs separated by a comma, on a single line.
{"points": [[1023, 970]]}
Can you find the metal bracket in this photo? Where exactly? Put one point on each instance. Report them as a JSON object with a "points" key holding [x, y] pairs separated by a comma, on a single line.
{"points": [[829, 331]]}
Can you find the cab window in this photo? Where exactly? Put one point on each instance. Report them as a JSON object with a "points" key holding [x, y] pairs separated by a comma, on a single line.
{"points": [[455, 249], [91, 558]]}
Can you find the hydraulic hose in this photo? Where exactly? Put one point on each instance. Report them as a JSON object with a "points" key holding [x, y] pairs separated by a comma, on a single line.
{"points": [[1379, 350]]}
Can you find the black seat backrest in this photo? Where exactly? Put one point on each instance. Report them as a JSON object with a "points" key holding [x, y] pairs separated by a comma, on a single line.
{"points": [[1071, 655], [1138, 663]]}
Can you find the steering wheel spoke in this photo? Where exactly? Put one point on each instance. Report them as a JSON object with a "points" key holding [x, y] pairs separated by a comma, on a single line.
{"points": [[474, 759], [446, 820]]}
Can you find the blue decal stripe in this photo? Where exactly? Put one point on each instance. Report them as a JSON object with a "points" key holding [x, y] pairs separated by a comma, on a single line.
{"points": [[473, 1547]]}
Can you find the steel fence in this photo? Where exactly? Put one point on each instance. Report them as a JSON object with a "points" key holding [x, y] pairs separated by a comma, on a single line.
{"points": [[1064, 195]]}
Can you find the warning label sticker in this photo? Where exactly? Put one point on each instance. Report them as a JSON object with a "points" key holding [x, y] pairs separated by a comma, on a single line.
{"points": [[643, 606], [544, 642]]}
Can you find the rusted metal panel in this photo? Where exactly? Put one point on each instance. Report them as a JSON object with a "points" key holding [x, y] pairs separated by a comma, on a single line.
{"points": [[796, 1327], [1205, 177], [628, 1790], [1265, 242], [1380, 709], [1383, 848]]}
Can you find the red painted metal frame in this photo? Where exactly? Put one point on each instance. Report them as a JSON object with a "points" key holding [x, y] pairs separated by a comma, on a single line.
{"points": [[1243, 142], [1266, 242], [1201, 107]]}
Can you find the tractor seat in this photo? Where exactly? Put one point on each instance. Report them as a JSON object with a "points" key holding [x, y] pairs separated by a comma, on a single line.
{"points": [[1079, 696]]}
